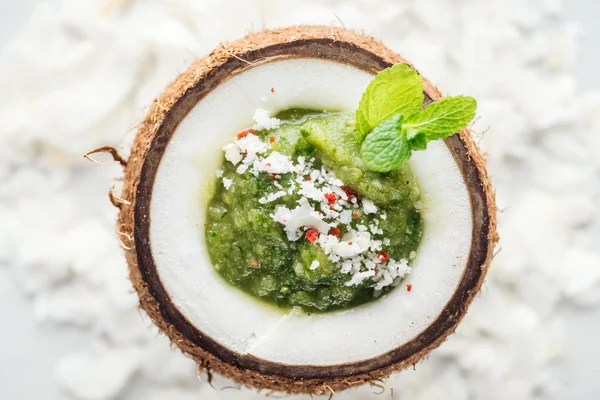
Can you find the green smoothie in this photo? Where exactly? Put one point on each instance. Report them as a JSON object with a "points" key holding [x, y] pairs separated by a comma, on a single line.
{"points": [[296, 220]]}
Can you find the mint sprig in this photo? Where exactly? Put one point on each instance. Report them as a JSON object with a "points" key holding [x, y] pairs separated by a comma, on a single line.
{"points": [[390, 123]]}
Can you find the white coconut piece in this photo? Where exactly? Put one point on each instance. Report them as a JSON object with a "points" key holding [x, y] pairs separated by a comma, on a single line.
{"points": [[168, 365], [100, 376], [246, 326], [72, 305]]}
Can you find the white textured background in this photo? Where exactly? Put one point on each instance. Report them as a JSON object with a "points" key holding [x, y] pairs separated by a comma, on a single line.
{"points": [[77, 74]]}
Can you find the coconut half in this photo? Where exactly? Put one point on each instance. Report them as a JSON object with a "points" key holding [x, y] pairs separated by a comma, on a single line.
{"points": [[168, 181]]}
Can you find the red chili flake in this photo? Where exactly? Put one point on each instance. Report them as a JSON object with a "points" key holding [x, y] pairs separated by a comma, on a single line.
{"points": [[349, 243], [335, 232], [312, 235], [268, 164], [331, 197], [409, 287], [308, 178], [351, 193], [272, 90], [245, 152], [355, 215], [272, 139], [245, 133], [383, 256]]}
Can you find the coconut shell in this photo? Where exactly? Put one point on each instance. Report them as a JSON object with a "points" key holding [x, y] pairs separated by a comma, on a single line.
{"points": [[153, 136]]}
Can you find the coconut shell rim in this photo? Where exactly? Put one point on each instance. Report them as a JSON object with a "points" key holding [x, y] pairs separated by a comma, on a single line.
{"points": [[322, 42]]}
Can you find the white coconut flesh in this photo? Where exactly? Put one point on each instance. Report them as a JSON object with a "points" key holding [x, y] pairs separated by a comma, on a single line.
{"points": [[239, 322]]}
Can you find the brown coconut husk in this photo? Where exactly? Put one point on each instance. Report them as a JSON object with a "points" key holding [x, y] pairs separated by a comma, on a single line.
{"points": [[153, 136]]}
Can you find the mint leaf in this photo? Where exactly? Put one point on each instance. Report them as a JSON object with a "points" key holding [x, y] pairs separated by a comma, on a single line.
{"points": [[395, 90], [386, 147], [441, 119], [417, 140], [362, 125]]}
